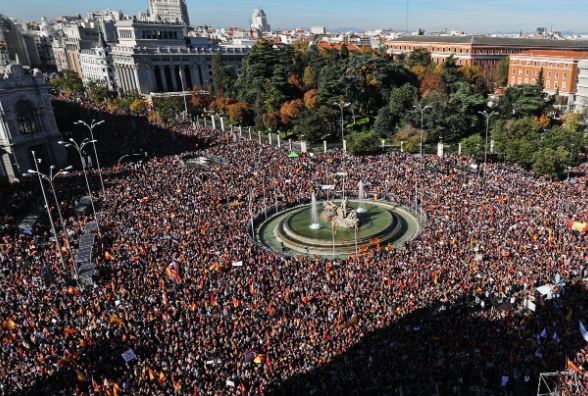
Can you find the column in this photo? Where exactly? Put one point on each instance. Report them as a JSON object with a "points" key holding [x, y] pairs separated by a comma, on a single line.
{"points": [[325, 146], [269, 138], [279, 143], [163, 79]]}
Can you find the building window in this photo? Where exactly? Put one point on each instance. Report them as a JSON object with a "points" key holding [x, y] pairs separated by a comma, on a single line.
{"points": [[565, 76], [555, 85], [26, 118], [548, 74], [563, 86], [547, 84]]}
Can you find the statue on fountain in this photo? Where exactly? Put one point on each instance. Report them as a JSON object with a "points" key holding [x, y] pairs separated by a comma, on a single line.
{"points": [[341, 215]]}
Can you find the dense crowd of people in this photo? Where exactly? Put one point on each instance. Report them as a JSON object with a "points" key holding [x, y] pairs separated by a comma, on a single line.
{"points": [[443, 314]]}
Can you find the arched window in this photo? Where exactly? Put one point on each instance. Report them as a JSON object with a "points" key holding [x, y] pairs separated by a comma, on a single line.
{"points": [[26, 118]]}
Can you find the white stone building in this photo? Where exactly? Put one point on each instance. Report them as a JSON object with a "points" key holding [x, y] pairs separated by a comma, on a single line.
{"points": [[156, 57], [96, 64], [172, 11], [27, 123], [582, 87], [259, 21]]}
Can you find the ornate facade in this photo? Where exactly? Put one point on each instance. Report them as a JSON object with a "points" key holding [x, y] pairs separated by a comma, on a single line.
{"points": [[173, 11], [27, 123]]}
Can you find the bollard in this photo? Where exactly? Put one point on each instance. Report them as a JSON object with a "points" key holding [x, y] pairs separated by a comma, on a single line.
{"points": [[303, 147], [325, 146], [440, 149], [213, 122], [290, 144], [240, 131], [402, 146], [344, 146], [250, 133], [222, 120], [459, 149], [259, 136], [269, 138], [279, 142]]}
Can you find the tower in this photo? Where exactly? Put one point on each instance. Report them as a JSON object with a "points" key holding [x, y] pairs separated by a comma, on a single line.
{"points": [[259, 21], [172, 11]]}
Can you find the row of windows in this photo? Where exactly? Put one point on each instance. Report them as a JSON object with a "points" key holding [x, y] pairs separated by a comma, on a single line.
{"points": [[552, 65], [158, 34], [458, 50], [536, 73], [548, 83]]}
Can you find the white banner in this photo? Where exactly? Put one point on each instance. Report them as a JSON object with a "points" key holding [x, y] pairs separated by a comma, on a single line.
{"points": [[583, 331]]}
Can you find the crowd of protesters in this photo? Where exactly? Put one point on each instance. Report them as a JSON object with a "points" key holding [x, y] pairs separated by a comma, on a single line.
{"points": [[206, 310]]}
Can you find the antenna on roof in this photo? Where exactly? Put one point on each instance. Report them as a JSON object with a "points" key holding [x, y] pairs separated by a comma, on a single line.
{"points": [[407, 31]]}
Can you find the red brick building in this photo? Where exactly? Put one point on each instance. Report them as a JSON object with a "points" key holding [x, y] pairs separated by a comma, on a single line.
{"points": [[483, 51], [560, 69]]}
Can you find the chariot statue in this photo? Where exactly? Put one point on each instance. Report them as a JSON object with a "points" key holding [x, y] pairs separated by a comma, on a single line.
{"points": [[341, 215]]}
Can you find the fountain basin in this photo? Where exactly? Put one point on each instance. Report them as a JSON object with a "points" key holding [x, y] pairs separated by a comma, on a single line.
{"points": [[293, 232]]}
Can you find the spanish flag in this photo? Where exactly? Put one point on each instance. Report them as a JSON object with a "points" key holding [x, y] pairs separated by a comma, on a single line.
{"points": [[8, 324], [95, 385], [571, 365], [193, 306], [151, 374], [115, 319], [259, 359], [108, 256], [161, 377], [81, 377], [115, 389]]}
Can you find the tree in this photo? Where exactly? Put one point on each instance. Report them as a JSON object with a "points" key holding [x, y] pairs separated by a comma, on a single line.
{"points": [[364, 143], [540, 79], [384, 124], [68, 83], [401, 100], [473, 146], [167, 109], [502, 69], [290, 111], [271, 120], [98, 91], [310, 98], [432, 82], [309, 78], [316, 125], [220, 104], [239, 113], [420, 57], [411, 138], [138, 106]]}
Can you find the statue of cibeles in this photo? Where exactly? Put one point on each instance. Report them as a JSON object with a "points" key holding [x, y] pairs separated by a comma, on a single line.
{"points": [[340, 215]]}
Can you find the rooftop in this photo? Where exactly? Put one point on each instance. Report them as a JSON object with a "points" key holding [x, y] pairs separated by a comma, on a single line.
{"points": [[498, 41]]}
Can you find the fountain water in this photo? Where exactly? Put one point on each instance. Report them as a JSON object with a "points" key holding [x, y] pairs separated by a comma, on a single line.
{"points": [[361, 198], [315, 225]]}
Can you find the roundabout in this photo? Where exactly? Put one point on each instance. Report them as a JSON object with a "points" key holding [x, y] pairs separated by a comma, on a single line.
{"points": [[343, 228]]}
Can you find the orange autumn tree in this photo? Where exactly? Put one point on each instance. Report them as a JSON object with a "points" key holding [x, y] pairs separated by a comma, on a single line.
{"points": [[220, 104], [290, 111], [239, 113], [310, 98]]}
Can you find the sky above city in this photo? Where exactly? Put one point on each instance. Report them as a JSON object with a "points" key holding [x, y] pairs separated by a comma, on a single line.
{"points": [[473, 16]]}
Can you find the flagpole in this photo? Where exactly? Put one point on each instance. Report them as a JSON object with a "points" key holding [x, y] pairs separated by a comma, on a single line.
{"points": [[333, 230]]}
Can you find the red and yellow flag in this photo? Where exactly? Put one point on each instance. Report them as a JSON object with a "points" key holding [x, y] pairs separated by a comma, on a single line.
{"points": [[161, 377]]}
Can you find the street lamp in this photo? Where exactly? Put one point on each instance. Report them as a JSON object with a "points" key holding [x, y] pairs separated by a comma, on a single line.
{"points": [[48, 211], [419, 107], [342, 106], [80, 148], [91, 127], [487, 116], [51, 179]]}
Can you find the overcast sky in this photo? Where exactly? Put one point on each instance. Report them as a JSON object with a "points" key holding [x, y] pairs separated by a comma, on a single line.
{"points": [[433, 15]]}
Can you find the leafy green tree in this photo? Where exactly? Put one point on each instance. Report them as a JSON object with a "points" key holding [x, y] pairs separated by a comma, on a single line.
{"points": [[167, 109], [419, 57], [384, 124], [98, 91], [411, 138], [502, 72], [68, 82], [522, 101], [364, 143], [402, 100], [473, 146], [330, 89], [545, 162], [316, 125], [223, 77]]}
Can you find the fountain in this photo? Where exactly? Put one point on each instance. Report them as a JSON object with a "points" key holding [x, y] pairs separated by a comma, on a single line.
{"points": [[314, 225], [361, 199]]}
